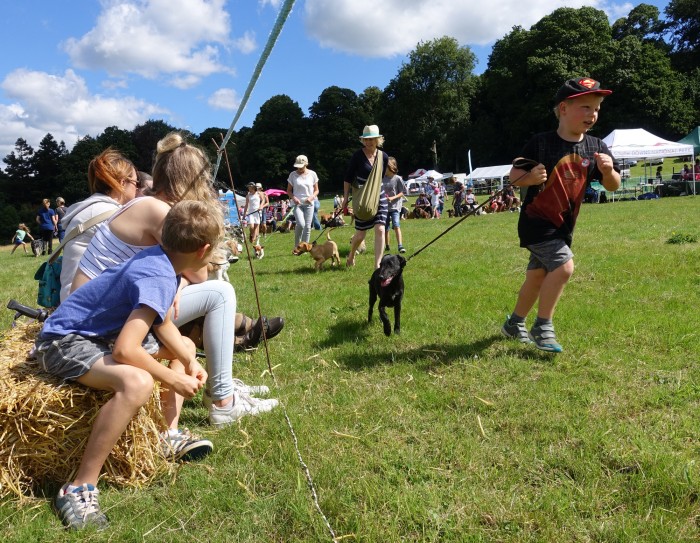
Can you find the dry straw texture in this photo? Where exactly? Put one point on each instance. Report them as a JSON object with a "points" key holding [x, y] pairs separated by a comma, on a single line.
{"points": [[45, 424]]}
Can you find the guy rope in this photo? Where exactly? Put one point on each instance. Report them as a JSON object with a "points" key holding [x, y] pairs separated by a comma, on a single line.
{"points": [[284, 12]]}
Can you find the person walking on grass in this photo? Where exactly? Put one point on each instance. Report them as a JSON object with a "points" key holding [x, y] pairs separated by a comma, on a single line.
{"points": [[18, 238], [100, 336], [394, 189], [556, 167], [47, 220]]}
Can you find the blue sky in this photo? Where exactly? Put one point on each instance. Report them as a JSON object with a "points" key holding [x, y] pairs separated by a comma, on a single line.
{"points": [[75, 67]]}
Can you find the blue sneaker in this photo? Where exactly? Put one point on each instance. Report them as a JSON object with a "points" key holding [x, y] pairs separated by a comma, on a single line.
{"points": [[79, 508], [544, 338]]}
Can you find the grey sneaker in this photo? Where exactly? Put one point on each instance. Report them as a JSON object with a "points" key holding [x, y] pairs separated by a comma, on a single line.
{"points": [[516, 330], [545, 339], [184, 446], [79, 508], [402, 249], [243, 404]]}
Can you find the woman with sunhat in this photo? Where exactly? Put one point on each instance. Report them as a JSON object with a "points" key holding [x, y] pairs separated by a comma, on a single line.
{"points": [[251, 212], [359, 168], [302, 189]]}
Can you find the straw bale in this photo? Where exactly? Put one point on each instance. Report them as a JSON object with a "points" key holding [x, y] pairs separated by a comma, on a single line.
{"points": [[45, 424]]}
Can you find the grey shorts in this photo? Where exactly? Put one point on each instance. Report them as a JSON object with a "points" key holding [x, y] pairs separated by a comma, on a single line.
{"points": [[72, 356], [549, 255]]}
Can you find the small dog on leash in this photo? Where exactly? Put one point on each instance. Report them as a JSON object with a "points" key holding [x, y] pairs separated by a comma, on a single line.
{"points": [[320, 253], [259, 252], [386, 284], [219, 264]]}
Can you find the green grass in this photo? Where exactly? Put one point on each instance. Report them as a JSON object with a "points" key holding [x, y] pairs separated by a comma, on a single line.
{"points": [[449, 432]]}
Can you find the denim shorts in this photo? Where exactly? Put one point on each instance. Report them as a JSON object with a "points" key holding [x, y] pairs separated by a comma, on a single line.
{"points": [[393, 218], [549, 255], [72, 356]]}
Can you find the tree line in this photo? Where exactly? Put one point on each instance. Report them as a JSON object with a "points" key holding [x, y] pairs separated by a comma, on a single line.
{"points": [[432, 112]]}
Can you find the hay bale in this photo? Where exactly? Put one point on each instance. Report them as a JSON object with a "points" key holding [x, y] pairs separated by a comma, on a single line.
{"points": [[45, 424]]}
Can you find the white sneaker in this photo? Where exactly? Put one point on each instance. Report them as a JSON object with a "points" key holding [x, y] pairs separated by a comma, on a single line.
{"points": [[242, 405], [183, 446], [253, 390]]}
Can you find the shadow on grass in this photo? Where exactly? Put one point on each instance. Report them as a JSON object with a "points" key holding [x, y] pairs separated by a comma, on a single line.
{"points": [[426, 357]]}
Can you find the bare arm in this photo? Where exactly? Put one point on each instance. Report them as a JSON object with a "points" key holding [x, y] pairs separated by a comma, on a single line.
{"points": [[523, 178], [611, 178], [128, 350]]}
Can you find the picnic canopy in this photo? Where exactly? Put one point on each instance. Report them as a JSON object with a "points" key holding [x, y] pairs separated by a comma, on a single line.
{"points": [[693, 139], [490, 172], [638, 143], [274, 193]]}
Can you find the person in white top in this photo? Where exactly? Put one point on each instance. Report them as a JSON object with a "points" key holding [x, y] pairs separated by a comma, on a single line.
{"points": [[252, 212], [302, 188]]}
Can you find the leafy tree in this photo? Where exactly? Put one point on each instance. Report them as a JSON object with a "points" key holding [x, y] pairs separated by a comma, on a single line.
{"points": [[48, 162], [73, 178], [20, 172], [370, 100], [145, 138], [648, 92], [643, 23], [524, 71], [266, 152], [684, 25], [207, 140], [336, 119], [119, 139], [429, 101]]}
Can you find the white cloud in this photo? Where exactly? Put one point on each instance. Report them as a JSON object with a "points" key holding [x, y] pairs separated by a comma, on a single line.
{"points": [[153, 37], [246, 44], [225, 99], [63, 106], [394, 27]]}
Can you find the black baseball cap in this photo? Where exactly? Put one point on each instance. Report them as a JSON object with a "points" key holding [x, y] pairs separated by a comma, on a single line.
{"points": [[580, 86]]}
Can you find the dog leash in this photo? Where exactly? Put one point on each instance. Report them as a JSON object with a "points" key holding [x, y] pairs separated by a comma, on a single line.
{"points": [[335, 216], [523, 163]]}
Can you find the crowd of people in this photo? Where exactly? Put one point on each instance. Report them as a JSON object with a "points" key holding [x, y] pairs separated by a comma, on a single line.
{"points": [[132, 280]]}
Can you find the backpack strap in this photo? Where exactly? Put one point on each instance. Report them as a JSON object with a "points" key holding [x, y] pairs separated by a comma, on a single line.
{"points": [[79, 230]]}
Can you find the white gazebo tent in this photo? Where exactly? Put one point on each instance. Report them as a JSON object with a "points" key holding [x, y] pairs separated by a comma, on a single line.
{"points": [[637, 143], [490, 172]]}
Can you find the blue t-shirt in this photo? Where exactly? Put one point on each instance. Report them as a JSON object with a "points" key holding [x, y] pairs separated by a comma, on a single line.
{"points": [[101, 307], [46, 218]]}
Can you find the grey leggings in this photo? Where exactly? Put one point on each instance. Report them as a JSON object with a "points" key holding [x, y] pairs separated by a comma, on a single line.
{"points": [[303, 215], [216, 302]]}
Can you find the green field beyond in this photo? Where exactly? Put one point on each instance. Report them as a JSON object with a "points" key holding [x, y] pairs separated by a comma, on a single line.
{"points": [[449, 432]]}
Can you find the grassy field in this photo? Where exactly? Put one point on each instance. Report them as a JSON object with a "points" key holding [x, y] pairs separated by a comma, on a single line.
{"points": [[448, 432]]}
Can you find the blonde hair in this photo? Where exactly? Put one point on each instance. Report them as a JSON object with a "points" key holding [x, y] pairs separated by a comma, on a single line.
{"points": [[380, 141], [107, 171], [181, 171], [23, 226], [192, 224], [392, 166]]}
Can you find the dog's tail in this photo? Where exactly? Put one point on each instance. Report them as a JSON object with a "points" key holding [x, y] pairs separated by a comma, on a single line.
{"points": [[328, 234]]}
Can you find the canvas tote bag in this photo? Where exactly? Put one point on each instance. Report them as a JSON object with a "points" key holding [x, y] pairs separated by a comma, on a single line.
{"points": [[366, 196]]}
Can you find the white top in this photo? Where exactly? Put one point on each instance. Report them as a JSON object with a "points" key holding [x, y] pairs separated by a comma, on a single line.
{"points": [[106, 249], [80, 213], [303, 185], [253, 202]]}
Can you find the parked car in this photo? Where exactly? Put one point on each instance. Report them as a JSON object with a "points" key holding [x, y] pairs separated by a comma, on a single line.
{"points": [[627, 162], [653, 161]]}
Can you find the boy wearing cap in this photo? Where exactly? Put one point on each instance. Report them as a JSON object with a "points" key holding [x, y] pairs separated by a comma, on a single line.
{"points": [[556, 167]]}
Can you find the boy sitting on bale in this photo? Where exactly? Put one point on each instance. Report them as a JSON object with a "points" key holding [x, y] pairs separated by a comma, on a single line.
{"points": [[101, 337]]}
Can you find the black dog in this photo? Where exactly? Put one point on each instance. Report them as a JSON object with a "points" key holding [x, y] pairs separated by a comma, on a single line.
{"points": [[386, 284]]}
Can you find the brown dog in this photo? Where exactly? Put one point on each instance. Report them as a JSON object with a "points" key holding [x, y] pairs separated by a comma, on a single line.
{"points": [[320, 253], [421, 213]]}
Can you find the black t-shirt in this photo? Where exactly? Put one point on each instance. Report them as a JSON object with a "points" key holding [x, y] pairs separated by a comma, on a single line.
{"points": [[550, 210]]}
